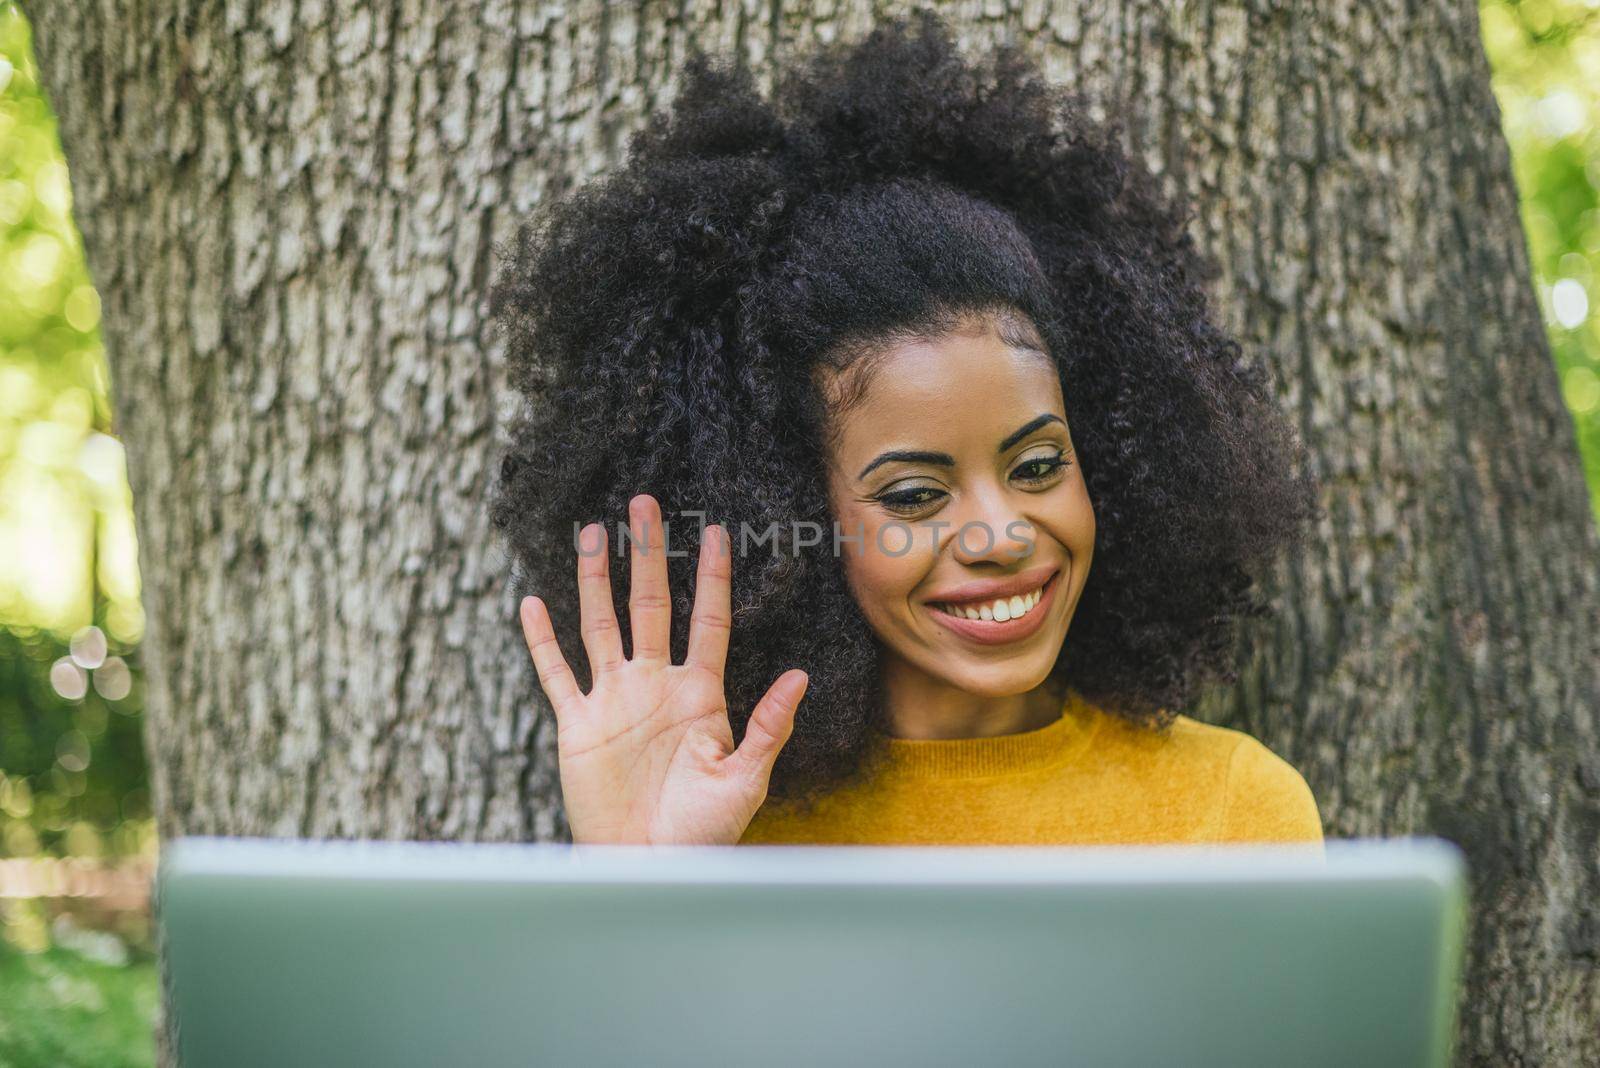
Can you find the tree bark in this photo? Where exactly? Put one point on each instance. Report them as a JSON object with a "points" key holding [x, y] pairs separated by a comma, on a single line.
{"points": [[290, 209]]}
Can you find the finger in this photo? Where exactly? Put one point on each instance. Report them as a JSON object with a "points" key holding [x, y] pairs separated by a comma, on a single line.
{"points": [[769, 728], [713, 615], [649, 607], [602, 636], [560, 686]]}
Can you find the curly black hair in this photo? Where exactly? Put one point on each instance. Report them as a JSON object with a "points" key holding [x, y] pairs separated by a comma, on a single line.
{"points": [[664, 322]]}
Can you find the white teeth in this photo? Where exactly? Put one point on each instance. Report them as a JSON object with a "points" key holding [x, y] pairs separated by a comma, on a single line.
{"points": [[1000, 610]]}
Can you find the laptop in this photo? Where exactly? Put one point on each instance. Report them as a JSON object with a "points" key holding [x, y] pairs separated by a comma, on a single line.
{"points": [[398, 954]]}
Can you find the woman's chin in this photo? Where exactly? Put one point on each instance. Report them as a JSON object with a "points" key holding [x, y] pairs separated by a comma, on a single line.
{"points": [[985, 674], [998, 681]]}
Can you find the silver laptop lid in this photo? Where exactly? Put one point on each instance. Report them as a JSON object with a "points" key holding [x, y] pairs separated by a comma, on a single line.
{"points": [[439, 954]]}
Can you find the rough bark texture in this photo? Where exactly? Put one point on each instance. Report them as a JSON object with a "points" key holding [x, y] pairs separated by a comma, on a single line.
{"points": [[290, 209]]}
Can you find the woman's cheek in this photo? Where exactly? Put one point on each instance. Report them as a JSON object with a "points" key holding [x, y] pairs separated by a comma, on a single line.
{"points": [[885, 566]]}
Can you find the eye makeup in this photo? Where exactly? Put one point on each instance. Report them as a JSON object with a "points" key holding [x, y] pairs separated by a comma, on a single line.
{"points": [[944, 459]]}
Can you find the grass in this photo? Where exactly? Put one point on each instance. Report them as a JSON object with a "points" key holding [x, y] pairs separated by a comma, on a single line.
{"points": [[60, 1009]]}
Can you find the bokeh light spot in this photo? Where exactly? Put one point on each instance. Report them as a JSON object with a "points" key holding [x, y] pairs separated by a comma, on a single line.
{"points": [[1569, 303], [1581, 387], [113, 680], [82, 309], [88, 647], [72, 750], [68, 679]]}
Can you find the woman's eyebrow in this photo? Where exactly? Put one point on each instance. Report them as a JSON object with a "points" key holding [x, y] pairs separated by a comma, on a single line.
{"points": [[1029, 427], [910, 456], [946, 460]]}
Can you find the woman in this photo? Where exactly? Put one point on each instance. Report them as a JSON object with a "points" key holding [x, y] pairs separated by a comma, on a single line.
{"points": [[918, 345]]}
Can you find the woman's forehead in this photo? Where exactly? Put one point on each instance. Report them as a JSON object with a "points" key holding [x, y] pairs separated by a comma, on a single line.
{"points": [[957, 382]]}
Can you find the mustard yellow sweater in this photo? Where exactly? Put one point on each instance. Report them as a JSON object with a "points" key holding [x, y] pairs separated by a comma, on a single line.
{"points": [[1089, 778]]}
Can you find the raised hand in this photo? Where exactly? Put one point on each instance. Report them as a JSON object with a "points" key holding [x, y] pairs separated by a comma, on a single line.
{"points": [[647, 755]]}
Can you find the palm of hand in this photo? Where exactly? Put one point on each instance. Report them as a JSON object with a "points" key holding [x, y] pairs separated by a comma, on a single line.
{"points": [[648, 755]]}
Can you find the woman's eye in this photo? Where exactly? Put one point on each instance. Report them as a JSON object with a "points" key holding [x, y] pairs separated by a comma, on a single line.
{"points": [[911, 500], [1040, 469]]}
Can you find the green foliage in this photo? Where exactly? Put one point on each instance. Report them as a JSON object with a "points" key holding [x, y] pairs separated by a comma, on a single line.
{"points": [[1545, 55], [71, 766], [60, 1009], [72, 779]]}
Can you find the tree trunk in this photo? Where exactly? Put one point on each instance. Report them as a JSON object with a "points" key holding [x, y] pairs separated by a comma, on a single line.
{"points": [[290, 209]]}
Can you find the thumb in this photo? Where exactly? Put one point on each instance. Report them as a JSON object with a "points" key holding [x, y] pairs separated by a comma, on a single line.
{"points": [[769, 728]]}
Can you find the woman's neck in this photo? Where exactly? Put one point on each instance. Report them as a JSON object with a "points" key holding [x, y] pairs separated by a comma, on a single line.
{"points": [[917, 705]]}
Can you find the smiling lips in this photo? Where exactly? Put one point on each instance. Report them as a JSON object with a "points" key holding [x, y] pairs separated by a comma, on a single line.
{"points": [[1003, 619]]}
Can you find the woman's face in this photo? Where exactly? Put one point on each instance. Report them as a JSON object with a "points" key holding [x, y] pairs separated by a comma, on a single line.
{"points": [[956, 466]]}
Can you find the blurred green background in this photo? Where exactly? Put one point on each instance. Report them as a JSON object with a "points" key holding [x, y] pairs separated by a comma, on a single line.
{"points": [[76, 984], [71, 771]]}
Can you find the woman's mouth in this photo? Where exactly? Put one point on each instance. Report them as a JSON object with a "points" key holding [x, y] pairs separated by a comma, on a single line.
{"points": [[1003, 619]]}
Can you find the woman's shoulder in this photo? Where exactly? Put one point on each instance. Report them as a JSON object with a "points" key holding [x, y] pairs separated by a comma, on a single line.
{"points": [[1259, 795]]}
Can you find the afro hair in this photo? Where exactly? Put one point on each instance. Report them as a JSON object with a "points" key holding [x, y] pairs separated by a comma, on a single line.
{"points": [[663, 323]]}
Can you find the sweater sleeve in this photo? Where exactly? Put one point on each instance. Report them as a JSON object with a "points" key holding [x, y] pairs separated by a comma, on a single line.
{"points": [[1266, 799]]}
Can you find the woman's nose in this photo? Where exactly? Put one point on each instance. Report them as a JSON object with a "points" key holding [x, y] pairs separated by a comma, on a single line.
{"points": [[991, 529]]}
